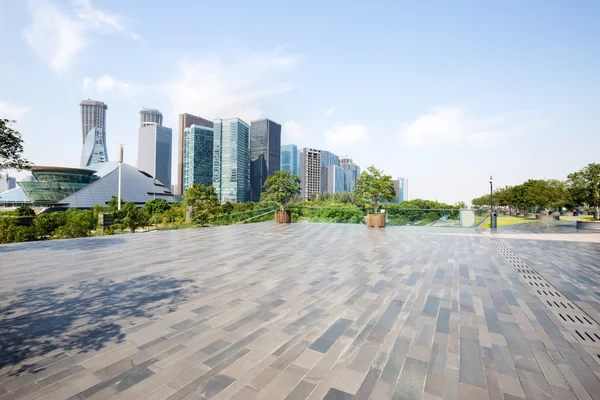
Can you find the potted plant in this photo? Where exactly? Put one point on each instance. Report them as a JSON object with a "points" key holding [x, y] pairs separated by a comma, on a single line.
{"points": [[375, 187], [281, 187]]}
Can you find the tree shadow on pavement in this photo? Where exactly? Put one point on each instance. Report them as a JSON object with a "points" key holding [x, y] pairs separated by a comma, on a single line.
{"points": [[81, 317]]}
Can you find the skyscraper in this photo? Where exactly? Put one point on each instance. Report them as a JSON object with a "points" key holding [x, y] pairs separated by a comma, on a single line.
{"points": [[198, 156], [185, 121], [7, 183], [231, 160], [352, 172], [155, 143], [290, 159], [336, 179], [93, 115], [150, 116], [403, 189], [94, 149], [265, 154], [327, 159], [310, 173], [398, 191]]}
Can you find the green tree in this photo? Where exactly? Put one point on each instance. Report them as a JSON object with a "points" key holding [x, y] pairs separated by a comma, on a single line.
{"points": [[204, 202], [24, 211], [375, 187], [113, 208], [132, 216], [79, 223], [156, 206], [584, 187], [281, 187], [47, 224], [11, 231], [11, 148]]}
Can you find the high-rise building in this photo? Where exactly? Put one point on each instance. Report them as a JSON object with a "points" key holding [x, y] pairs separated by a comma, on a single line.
{"points": [[93, 115], [150, 116], [310, 173], [290, 159], [396, 183], [265, 154], [197, 156], [336, 179], [231, 160], [94, 149], [155, 143], [327, 159], [352, 173], [403, 189], [185, 121], [7, 183]]}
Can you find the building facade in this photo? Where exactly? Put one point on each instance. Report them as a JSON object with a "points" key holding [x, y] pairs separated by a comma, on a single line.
{"points": [[403, 189], [231, 160], [310, 173], [265, 154], [327, 159], [155, 143], [150, 116], [197, 156], [336, 179], [93, 115], [396, 183], [7, 183], [94, 149], [352, 173], [290, 159], [185, 121]]}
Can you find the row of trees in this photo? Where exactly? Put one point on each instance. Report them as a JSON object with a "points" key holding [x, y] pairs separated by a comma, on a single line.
{"points": [[581, 189]]}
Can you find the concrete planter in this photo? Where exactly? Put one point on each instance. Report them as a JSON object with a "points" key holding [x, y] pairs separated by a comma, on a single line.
{"points": [[589, 225], [283, 217], [530, 215], [567, 213], [376, 220], [506, 212], [547, 217]]}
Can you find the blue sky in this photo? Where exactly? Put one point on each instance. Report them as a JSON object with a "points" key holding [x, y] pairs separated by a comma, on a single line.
{"points": [[444, 93]]}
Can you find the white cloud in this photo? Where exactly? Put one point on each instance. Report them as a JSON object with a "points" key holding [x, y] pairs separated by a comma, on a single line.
{"points": [[330, 111], [10, 111], [292, 130], [453, 126], [57, 38], [346, 134], [216, 88], [106, 83]]}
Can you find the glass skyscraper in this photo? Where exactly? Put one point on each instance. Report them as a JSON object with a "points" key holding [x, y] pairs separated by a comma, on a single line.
{"points": [[265, 154], [198, 156], [93, 115], [231, 160], [290, 159], [336, 179], [94, 149], [154, 152], [327, 159]]}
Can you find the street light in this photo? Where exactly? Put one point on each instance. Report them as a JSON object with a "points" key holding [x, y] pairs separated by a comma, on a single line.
{"points": [[493, 214], [491, 194]]}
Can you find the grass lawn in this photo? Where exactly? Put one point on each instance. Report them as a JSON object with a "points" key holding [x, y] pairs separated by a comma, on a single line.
{"points": [[505, 220]]}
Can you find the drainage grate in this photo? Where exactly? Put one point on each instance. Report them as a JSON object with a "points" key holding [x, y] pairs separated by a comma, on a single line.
{"points": [[578, 319], [587, 337], [537, 284], [550, 293], [559, 304]]}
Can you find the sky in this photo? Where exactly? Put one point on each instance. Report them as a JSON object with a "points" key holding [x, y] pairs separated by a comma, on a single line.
{"points": [[444, 93]]}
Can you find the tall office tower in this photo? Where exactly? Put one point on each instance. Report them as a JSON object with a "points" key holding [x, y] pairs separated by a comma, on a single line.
{"points": [[327, 159], [403, 189], [155, 143], [265, 154], [398, 191], [231, 160], [345, 160], [352, 172], [310, 173], [336, 179], [94, 150], [197, 156], [185, 121], [150, 116], [93, 115], [7, 183], [290, 159]]}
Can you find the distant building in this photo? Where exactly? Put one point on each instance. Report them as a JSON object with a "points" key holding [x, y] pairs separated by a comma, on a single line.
{"points": [[93, 115], [351, 171], [310, 173], [290, 159], [327, 159], [185, 121], [231, 160], [198, 156], [404, 195], [397, 190], [265, 154], [155, 143], [7, 183], [336, 179], [94, 149], [150, 116]]}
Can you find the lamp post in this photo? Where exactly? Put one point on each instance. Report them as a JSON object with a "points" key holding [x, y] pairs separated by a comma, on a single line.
{"points": [[491, 194], [120, 161], [493, 214]]}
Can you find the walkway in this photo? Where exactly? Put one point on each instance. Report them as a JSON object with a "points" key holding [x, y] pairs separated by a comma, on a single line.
{"points": [[306, 311]]}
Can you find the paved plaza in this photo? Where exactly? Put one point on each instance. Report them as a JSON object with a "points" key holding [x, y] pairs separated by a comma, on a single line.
{"points": [[304, 311]]}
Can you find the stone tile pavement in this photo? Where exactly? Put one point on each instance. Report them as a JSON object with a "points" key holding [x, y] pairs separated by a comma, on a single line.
{"points": [[305, 311]]}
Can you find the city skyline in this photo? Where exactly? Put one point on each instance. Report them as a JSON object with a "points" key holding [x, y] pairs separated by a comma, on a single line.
{"points": [[440, 109]]}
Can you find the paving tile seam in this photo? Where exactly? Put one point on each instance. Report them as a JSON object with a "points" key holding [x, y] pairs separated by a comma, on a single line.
{"points": [[579, 323]]}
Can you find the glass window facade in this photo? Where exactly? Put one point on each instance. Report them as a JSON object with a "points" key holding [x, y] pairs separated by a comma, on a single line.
{"points": [[327, 159], [198, 156], [231, 160], [265, 154], [164, 146], [55, 183], [290, 159]]}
